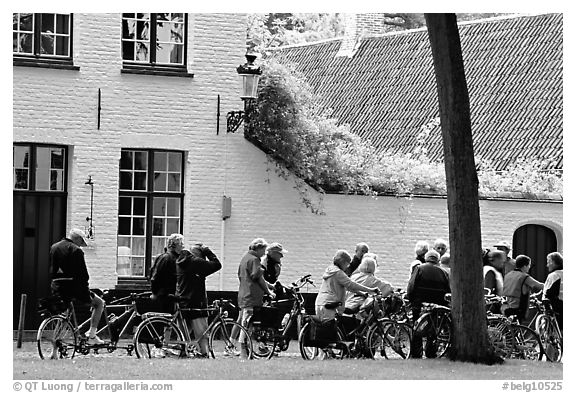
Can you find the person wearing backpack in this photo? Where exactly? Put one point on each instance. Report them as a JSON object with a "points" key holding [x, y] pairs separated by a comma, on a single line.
{"points": [[163, 273]]}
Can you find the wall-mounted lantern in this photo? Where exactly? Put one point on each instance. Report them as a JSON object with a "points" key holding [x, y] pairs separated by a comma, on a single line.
{"points": [[250, 74]]}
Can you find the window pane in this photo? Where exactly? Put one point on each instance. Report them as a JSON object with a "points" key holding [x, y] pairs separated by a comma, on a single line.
{"points": [[160, 161], [26, 21], [62, 46], [172, 225], [127, 50], [125, 180], [62, 22], [173, 207], [178, 17], [138, 226], [56, 180], [169, 53], [126, 159], [138, 244], [47, 45], [137, 266], [43, 169], [139, 206], [142, 53], [158, 227], [158, 244], [125, 206], [159, 181], [159, 207], [20, 179], [174, 162], [25, 43], [48, 23], [21, 156], [124, 226], [173, 182], [140, 181], [143, 30], [140, 160], [57, 159]]}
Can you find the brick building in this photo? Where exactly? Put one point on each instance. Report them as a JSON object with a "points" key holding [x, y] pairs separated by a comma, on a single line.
{"points": [[134, 137]]}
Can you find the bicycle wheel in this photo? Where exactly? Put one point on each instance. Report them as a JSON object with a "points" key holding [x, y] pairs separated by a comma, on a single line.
{"points": [[388, 340], [307, 352], [159, 338], [262, 339], [550, 338], [337, 350], [56, 339], [221, 344], [436, 331], [500, 337], [526, 343]]}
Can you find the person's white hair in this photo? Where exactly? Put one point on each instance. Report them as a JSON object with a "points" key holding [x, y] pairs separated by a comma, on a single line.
{"points": [[174, 240], [421, 247], [368, 265], [257, 243]]}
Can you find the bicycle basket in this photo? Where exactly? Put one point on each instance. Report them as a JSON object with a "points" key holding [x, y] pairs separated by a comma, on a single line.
{"points": [[321, 333], [268, 316], [52, 305]]}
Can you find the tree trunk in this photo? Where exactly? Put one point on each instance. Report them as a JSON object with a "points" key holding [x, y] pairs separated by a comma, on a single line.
{"points": [[470, 341]]}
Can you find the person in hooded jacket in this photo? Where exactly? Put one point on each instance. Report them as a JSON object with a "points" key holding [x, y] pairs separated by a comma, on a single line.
{"points": [[365, 276], [335, 283], [192, 268]]}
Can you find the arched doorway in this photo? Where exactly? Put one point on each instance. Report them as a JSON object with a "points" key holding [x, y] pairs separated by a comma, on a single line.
{"points": [[536, 241]]}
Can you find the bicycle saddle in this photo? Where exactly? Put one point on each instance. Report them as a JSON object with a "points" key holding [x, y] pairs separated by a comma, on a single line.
{"points": [[332, 305]]}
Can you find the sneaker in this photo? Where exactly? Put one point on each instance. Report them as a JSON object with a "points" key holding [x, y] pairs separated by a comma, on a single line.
{"points": [[94, 340], [231, 351], [201, 356]]}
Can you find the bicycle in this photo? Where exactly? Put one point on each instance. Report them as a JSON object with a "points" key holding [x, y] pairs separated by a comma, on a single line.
{"points": [[391, 337], [548, 329], [168, 335], [348, 336], [60, 336], [269, 334], [510, 339], [434, 326]]}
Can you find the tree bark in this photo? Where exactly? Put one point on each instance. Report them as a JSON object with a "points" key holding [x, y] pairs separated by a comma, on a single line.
{"points": [[470, 341]]}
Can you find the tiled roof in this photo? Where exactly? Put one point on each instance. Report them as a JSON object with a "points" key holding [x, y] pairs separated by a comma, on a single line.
{"points": [[386, 92]]}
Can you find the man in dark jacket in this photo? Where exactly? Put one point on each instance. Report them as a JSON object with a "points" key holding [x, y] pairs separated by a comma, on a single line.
{"points": [[428, 283], [361, 249], [163, 273], [70, 277], [192, 268]]}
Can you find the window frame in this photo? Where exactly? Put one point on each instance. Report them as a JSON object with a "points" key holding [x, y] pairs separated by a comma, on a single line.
{"points": [[32, 168], [152, 67], [150, 194], [37, 59]]}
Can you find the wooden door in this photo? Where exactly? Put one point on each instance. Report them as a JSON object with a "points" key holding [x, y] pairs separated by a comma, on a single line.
{"points": [[535, 241]]}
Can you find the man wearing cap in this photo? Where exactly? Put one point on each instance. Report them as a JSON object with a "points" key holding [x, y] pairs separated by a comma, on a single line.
{"points": [[510, 263], [271, 262], [429, 283], [70, 277]]}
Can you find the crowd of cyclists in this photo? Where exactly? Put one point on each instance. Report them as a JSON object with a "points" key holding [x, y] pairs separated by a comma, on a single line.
{"points": [[181, 273]]}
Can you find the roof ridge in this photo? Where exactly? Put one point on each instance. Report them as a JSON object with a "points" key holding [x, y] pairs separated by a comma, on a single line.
{"points": [[319, 42]]}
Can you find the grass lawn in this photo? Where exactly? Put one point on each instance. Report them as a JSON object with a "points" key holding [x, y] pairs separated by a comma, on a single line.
{"points": [[119, 366]]}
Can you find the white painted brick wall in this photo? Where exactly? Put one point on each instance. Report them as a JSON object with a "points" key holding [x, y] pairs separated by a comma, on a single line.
{"points": [[144, 111]]}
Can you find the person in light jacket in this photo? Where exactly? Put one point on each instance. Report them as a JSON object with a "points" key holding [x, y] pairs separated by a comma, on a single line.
{"points": [[335, 283], [365, 276]]}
